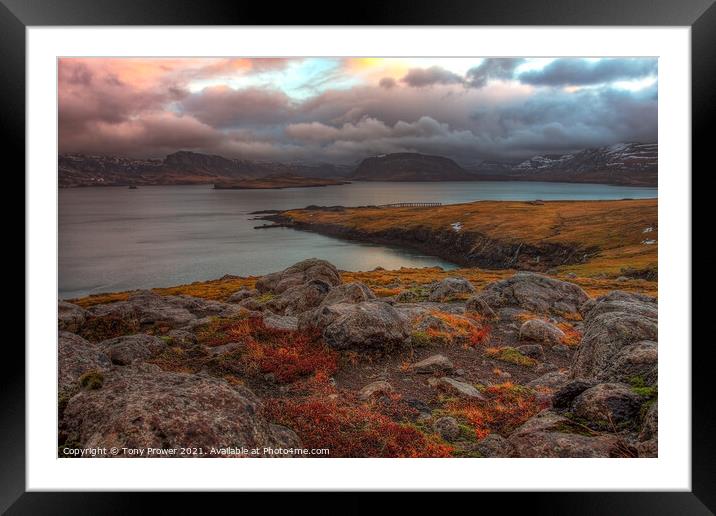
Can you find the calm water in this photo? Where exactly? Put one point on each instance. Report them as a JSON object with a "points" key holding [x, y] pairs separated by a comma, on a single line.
{"points": [[113, 238]]}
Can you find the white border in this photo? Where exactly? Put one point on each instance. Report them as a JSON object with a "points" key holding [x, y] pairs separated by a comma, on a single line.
{"points": [[670, 471]]}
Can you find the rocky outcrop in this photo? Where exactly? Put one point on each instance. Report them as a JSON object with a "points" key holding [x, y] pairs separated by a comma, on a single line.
{"points": [[541, 331], [70, 317], [550, 435], [450, 287], [533, 292], [125, 350], [136, 408], [299, 274], [612, 325], [77, 356], [607, 405], [365, 325], [410, 166]]}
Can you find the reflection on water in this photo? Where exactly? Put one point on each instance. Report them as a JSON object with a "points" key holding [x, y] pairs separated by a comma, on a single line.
{"points": [[115, 238]]}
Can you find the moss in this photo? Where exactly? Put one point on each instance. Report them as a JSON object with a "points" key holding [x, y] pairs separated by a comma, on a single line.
{"points": [[91, 380], [265, 298], [167, 339], [420, 339], [639, 386], [512, 356]]}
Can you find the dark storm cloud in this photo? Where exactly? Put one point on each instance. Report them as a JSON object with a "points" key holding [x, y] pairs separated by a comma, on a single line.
{"points": [[581, 72], [492, 68], [421, 77]]}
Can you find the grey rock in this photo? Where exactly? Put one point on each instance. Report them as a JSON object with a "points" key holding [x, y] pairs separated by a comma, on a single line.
{"points": [[433, 364], [450, 287], [77, 356], [242, 294], [354, 292], [607, 405], [541, 331], [447, 428], [70, 317], [299, 274], [554, 380], [531, 350], [182, 338], [280, 322], [378, 388], [456, 388], [494, 445], [127, 349], [566, 394], [137, 409], [533, 292]]}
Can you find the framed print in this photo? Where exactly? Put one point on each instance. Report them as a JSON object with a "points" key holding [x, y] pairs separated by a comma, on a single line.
{"points": [[432, 250]]}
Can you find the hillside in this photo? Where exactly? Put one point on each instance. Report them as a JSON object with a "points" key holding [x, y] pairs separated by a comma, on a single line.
{"points": [[617, 238], [313, 358], [633, 164], [410, 167], [277, 182]]}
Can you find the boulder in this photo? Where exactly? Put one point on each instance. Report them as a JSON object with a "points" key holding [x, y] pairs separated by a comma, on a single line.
{"points": [[166, 410], [494, 445], [369, 324], [549, 435], [447, 428], [448, 288], [379, 388], [125, 350], [566, 394], [242, 294], [537, 330], [77, 356], [299, 274], [182, 339], [533, 292], [298, 299], [70, 317], [638, 360], [531, 350], [607, 405], [612, 323], [553, 380], [354, 292], [479, 306], [456, 388], [433, 364], [280, 322], [650, 423]]}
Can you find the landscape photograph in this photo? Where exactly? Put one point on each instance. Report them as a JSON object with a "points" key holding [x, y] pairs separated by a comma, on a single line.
{"points": [[357, 257]]}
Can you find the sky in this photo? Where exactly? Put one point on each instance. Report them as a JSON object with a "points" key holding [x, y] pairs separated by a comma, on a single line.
{"points": [[341, 110]]}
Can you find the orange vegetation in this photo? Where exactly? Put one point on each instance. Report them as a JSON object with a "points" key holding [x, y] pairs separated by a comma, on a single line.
{"points": [[507, 406]]}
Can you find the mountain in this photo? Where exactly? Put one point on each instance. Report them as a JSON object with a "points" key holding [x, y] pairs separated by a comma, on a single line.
{"points": [[406, 166], [181, 167], [623, 163]]}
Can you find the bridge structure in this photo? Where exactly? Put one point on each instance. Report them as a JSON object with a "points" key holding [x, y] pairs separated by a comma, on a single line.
{"points": [[412, 205]]}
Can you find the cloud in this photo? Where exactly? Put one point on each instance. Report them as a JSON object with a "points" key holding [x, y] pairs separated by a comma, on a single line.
{"points": [[582, 72], [421, 77], [387, 83], [492, 68]]}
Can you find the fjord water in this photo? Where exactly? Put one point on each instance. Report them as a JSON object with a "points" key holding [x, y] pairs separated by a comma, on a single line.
{"points": [[114, 238]]}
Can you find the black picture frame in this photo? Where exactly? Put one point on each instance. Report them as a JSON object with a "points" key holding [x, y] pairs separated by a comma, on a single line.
{"points": [[17, 15]]}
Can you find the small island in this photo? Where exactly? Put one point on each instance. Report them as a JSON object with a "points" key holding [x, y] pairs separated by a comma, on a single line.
{"points": [[278, 181]]}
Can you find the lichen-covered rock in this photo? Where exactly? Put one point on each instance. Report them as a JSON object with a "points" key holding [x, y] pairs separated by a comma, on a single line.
{"points": [[77, 356], [354, 292], [298, 299], [614, 322], [638, 360], [146, 309], [70, 317], [550, 435], [449, 288], [533, 292], [125, 350], [299, 274], [607, 405], [531, 350], [456, 388], [160, 409], [494, 445], [447, 427], [280, 322], [240, 295], [433, 364], [479, 306], [553, 380], [566, 394], [182, 339], [369, 324], [379, 388], [537, 330]]}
